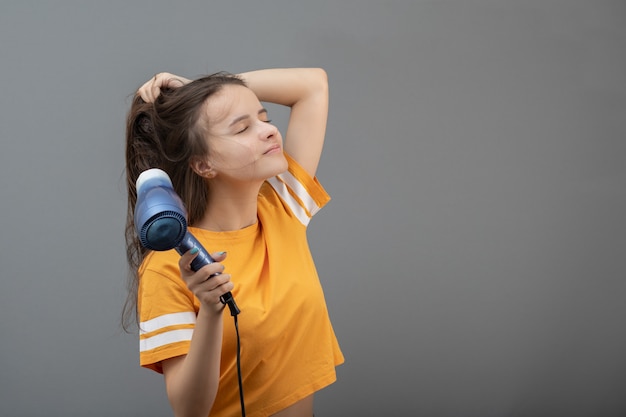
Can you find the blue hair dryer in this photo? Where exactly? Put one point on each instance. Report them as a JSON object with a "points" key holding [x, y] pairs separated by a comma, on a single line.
{"points": [[161, 223]]}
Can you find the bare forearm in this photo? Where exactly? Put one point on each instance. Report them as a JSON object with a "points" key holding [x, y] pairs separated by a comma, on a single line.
{"points": [[192, 383], [286, 86]]}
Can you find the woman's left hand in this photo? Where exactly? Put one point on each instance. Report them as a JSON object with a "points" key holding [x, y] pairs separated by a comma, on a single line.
{"points": [[152, 88]]}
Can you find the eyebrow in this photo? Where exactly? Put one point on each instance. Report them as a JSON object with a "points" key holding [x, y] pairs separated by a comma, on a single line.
{"points": [[244, 117]]}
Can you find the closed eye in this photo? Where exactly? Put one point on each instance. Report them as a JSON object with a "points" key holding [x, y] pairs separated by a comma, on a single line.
{"points": [[246, 127]]}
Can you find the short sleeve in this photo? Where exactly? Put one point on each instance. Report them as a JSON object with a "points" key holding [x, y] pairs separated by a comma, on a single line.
{"points": [[166, 308], [303, 194]]}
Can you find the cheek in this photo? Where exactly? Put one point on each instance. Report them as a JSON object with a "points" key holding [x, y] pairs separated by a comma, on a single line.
{"points": [[234, 155], [245, 150], [226, 148]]}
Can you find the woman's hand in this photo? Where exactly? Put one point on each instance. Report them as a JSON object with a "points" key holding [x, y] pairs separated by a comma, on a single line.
{"points": [[207, 288], [152, 88]]}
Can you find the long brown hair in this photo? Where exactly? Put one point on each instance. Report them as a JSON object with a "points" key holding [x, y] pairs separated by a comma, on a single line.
{"points": [[167, 134]]}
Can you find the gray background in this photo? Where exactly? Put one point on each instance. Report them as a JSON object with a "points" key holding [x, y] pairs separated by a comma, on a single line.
{"points": [[473, 254]]}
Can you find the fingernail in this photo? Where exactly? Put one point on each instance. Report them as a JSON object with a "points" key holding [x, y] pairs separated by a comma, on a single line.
{"points": [[194, 251], [221, 253]]}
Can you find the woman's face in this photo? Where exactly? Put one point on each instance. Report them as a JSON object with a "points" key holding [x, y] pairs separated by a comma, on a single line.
{"points": [[243, 145]]}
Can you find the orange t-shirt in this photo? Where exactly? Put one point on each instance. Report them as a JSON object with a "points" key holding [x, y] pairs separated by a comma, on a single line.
{"points": [[288, 346]]}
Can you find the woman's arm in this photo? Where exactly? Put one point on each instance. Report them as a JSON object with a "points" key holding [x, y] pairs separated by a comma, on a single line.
{"points": [[192, 380], [305, 90]]}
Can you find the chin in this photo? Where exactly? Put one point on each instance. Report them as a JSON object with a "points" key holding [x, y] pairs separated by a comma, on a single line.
{"points": [[278, 162], [284, 164], [271, 166]]}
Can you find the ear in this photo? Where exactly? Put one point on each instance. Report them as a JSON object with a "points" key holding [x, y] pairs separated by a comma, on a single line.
{"points": [[202, 168]]}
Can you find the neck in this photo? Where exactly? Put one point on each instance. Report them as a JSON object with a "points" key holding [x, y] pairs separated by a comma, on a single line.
{"points": [[230, 207]]}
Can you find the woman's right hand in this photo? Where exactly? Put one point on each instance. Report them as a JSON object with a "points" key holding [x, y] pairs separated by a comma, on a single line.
{"points": [[151, 89], [207, 288]]}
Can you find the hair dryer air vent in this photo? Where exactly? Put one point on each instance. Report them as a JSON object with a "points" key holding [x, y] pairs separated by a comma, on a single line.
{"points": [[163, 231], [160, 217]]}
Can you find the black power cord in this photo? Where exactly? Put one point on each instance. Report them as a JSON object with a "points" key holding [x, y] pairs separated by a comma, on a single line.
{"points": [[234, 311], [243, 406]]}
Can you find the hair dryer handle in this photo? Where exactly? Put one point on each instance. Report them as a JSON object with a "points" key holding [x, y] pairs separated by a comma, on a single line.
{"points": [[203, 258], [188, 243]]}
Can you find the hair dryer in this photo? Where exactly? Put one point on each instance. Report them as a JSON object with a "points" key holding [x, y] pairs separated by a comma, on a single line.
{"points": [[161, 222]]}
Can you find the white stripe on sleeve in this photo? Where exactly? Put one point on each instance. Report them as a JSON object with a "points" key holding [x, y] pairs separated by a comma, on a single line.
{"points": [[167, 320], [296, 186], [282, 190], [166, 338]]}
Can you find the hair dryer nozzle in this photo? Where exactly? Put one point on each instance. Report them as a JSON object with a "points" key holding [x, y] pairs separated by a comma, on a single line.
{"points": [[163, 231], [160, 217]]}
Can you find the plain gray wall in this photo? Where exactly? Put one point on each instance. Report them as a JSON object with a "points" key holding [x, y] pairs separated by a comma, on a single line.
{"points": [[473, 255]]}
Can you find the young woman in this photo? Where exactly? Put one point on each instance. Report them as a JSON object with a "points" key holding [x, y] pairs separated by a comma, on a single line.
{"points": [[249, 197]]}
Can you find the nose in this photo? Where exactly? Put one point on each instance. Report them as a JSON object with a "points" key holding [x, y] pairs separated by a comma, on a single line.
{"points": [[268, 130]]}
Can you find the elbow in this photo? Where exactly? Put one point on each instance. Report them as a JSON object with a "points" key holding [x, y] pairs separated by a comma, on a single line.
{"points": [[192, 410], [184, 406], [319, 80], [315, 86]]}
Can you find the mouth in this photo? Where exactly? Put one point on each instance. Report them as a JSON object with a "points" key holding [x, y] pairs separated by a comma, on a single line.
{"points": [[273, 149]]}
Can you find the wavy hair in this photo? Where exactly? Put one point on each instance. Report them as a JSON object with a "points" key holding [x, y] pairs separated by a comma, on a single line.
{"points": [[167, 134]]}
